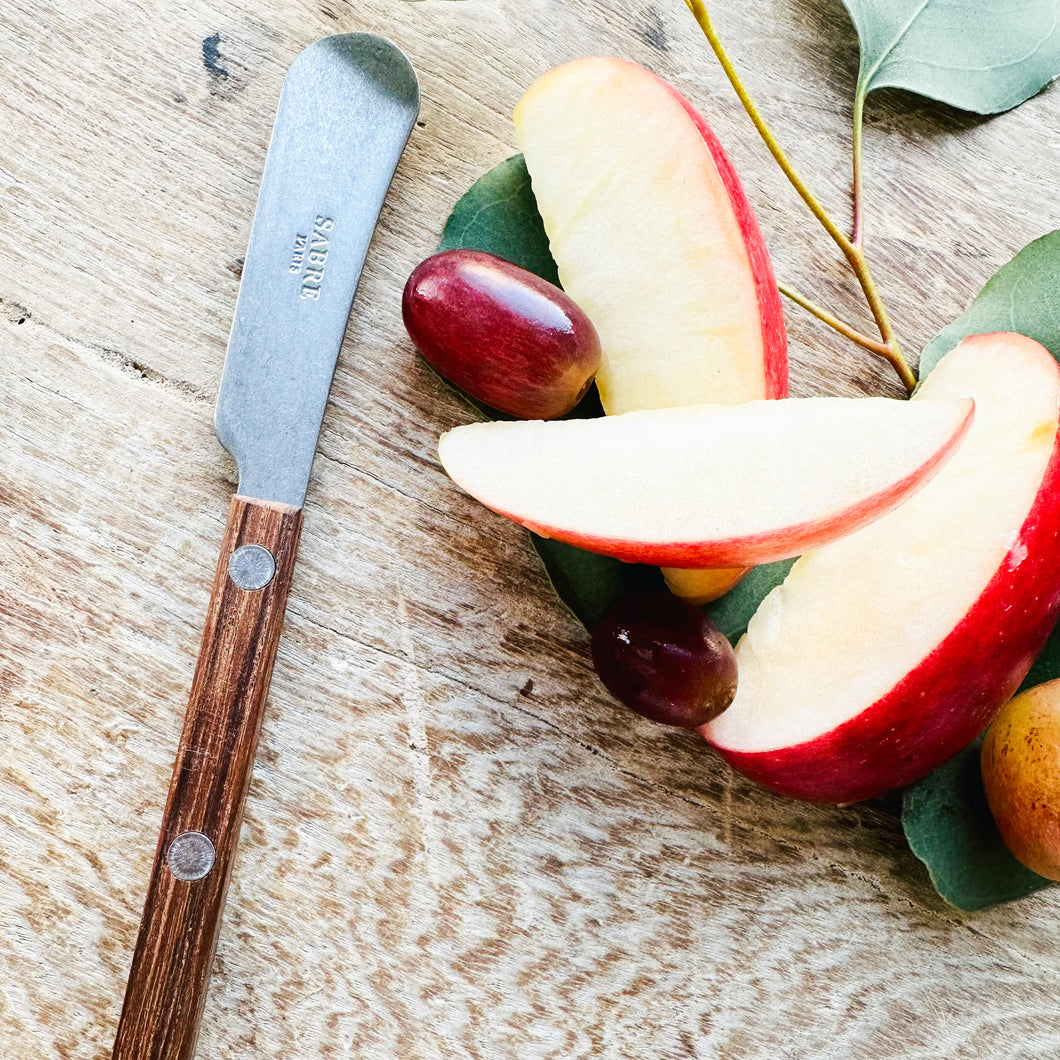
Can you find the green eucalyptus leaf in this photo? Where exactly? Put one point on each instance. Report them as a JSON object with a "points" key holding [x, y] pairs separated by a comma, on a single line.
{"points": [[733, 611], [1021, 296], [588, 583], [950, 828], [498, 214], [984, 56], [1047, 666]]}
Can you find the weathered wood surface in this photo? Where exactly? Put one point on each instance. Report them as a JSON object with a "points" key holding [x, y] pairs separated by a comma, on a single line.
{"points": [[454, 845]]}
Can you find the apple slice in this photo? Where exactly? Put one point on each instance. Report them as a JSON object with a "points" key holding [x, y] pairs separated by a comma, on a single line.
{"points": [[884, 653], [707, 485], [654, 238]]}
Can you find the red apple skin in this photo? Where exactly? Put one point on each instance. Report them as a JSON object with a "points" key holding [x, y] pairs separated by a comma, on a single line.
{"points": [[500, 333], [966, 680], [774, 335]]}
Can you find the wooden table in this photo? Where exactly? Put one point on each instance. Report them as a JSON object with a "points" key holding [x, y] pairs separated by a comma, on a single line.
{"points": [[455, 845]]}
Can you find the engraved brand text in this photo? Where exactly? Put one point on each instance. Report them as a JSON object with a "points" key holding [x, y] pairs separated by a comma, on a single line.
{"points": [[315, 252], [298, 256]]}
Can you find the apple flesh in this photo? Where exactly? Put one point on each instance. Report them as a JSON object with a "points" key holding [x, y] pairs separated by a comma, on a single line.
{"points": [[501, 334], [885, 652], [1021, 777], [707, 485], [653, 237]]}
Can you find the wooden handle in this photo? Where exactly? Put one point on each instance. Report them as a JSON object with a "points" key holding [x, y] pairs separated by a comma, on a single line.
{"points": [[182, 914]]}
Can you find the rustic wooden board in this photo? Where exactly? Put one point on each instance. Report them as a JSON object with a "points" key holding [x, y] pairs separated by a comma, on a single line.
{"points": [[455, 846]]}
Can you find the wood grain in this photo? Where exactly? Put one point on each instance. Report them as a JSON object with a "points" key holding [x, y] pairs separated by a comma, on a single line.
{"points": [[211, 774], [454, 845]]}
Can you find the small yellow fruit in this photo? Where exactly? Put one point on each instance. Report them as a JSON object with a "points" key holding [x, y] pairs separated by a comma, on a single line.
{"points": [[702, 586], [1021, 776]]}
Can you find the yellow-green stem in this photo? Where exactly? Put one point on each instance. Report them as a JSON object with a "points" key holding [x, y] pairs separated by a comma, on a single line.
{"points": [[816, 309], [852, 252], [881, 349], [858, 234]]}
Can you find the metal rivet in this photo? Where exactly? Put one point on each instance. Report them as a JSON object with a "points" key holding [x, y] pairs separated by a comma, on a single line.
{"points": [[251, 567], [191, 856]]}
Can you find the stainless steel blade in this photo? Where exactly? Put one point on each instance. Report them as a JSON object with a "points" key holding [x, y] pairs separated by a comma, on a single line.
{"points": [[346, 110]]}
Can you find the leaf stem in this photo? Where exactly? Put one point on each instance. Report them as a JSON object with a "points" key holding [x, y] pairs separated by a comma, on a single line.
{"points": [[858, 234], [860, 265], [850, 249], [822, 314], [881, 349], [699, 12]]}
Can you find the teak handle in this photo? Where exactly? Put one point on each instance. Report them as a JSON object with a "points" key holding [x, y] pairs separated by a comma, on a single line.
{"points": [[182, 914]]}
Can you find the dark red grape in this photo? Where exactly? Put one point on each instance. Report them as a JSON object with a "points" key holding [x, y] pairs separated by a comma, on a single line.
{"points": [[663, 658], [500, 333]]}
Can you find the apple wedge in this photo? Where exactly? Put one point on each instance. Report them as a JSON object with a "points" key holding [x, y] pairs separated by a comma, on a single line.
{"points": [[654, 238], [707, 485], [657, 242], [885, 652]]}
